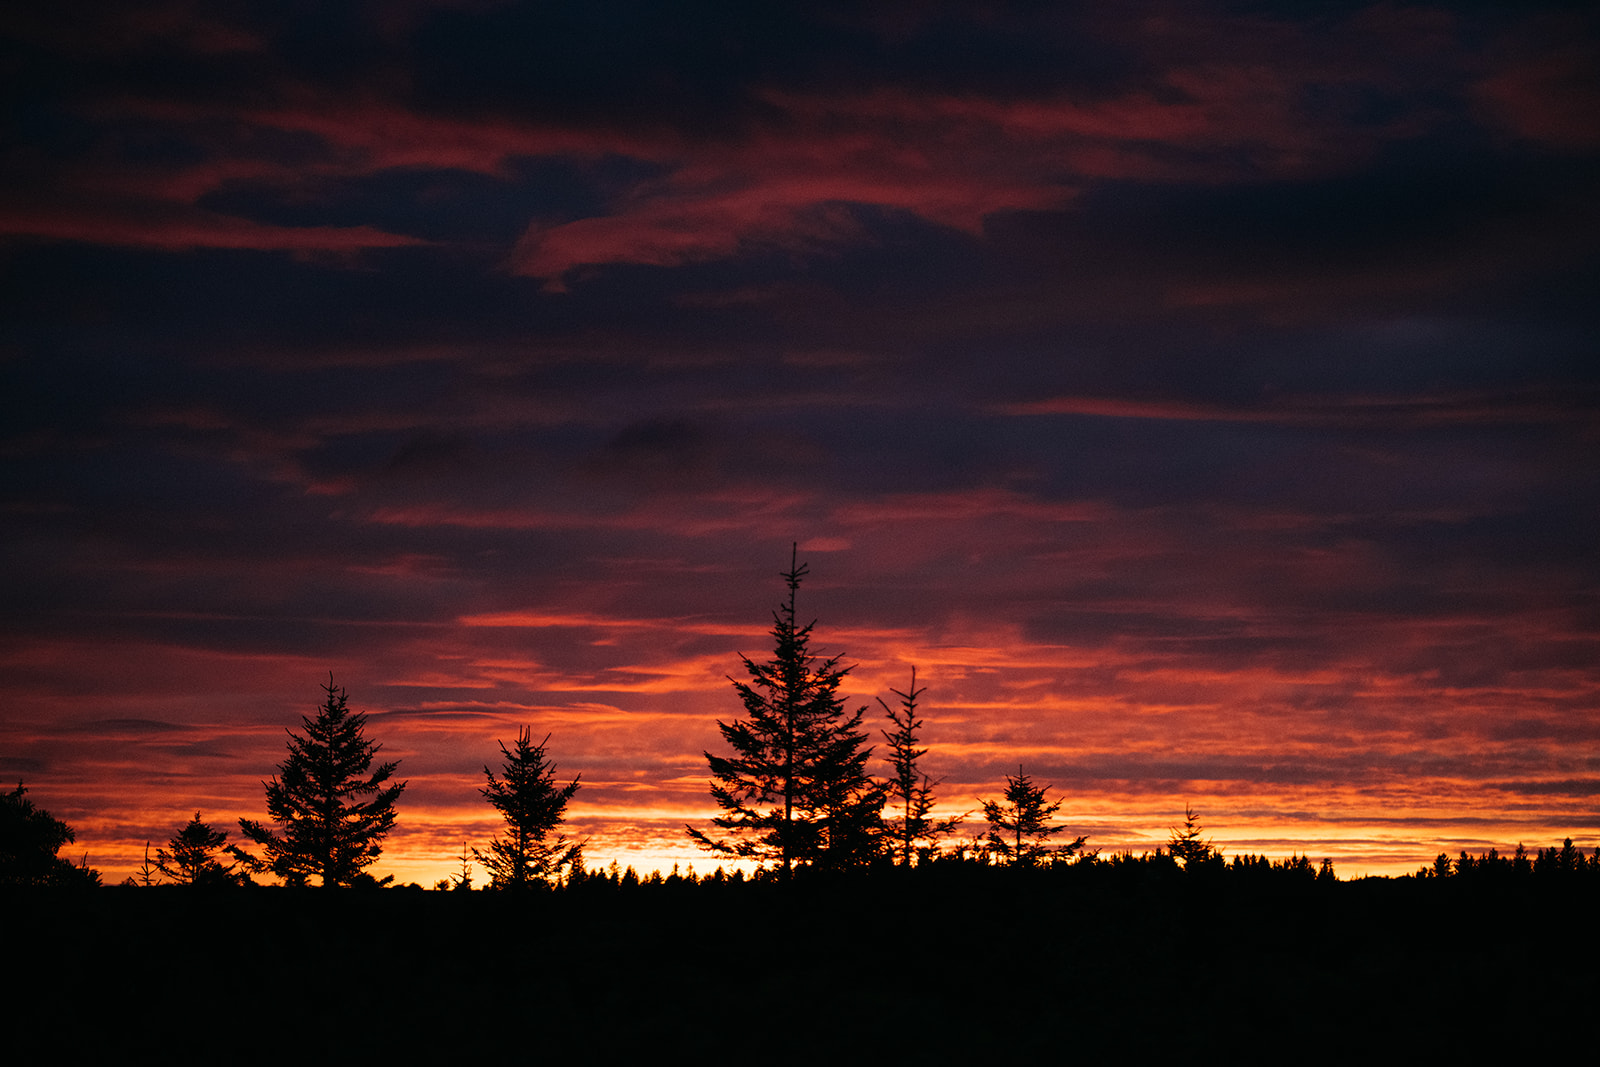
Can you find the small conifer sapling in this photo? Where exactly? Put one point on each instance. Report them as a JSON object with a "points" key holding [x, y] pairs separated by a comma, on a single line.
{"points": [[190, 856], [1019, 827]]}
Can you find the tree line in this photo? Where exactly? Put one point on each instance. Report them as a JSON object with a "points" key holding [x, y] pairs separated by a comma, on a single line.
{"points": [[793, 794], [1566, 862]]}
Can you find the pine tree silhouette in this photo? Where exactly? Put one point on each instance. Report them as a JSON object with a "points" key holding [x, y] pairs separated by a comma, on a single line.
{"points": [[533, 806], [911, 789], [192, 859], [1187, 846], [328, 830], [1018, 828], [30, 837], [795, 791]]}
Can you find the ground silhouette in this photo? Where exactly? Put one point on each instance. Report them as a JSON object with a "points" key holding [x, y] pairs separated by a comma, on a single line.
{"points": [[1127, 958]]}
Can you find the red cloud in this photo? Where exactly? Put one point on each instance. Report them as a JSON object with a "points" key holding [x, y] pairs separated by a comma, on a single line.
{"points": [[687, 225], [1553, 97], [1465, 409], [367, 136], [951, 159], [177, 229]]}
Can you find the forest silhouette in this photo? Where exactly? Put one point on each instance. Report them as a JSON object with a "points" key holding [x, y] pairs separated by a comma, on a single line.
{"points": [[866, 928]]}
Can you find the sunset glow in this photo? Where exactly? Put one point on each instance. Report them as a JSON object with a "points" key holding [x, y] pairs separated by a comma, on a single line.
{"points": [[1204, 398]]}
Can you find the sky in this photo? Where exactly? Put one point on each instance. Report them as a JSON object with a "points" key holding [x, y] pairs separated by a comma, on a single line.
{"points": [[1202, 397]]}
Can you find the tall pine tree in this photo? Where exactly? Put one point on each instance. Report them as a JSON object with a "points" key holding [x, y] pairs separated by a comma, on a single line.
{"points": [[334, 815], [795, 791], [911, 789], [533, 806]]}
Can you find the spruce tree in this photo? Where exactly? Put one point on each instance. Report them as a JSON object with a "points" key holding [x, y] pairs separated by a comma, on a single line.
{"points": [[911, 789], [1018, 828], [795, 791], [148, 875], [1187, 846], [533, 806], [192, 859], [461, 882], [30, 837], [334, 815]]}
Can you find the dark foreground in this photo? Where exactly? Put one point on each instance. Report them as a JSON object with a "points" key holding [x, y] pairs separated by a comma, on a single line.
{"points": [[975, 970]]}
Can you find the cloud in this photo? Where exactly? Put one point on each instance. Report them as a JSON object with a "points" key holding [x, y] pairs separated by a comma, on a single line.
{"points": [[795, 167], [129, 726], [179, 230], [1351, 412], [1542, 84]]}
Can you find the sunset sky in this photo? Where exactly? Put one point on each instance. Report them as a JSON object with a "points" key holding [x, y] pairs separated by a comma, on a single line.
{"points": [[1204, 397]]}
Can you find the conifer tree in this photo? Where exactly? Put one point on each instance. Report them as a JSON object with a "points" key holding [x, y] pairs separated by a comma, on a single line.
{"points": [[795, 791], [334, 815], [533, 806], [1187, 846], [30, 837], [191, 860], [1018, 828], [911, 789], [461, 882], [148, 875]]}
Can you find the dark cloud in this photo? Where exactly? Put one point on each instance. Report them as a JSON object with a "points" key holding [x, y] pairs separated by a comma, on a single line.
{"points": [[128, 726], [1574, 787]]}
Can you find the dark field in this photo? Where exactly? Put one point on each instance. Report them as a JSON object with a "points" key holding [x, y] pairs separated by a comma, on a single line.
{"points": [[975, 968]]}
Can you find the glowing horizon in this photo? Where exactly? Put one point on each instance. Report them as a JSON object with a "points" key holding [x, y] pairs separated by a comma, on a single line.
{"points": [[1121, 782]]}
